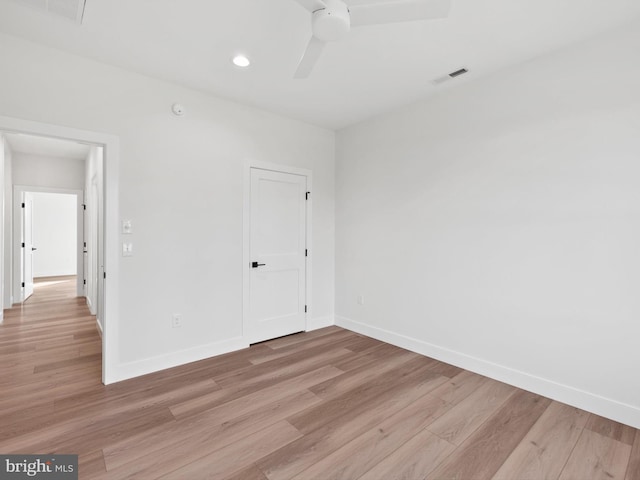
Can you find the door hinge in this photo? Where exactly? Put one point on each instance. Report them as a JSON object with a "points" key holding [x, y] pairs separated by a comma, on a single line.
{"points": [[85, 244], [22, 244], [84, 282], [305, 309], [23, 205], [306, 196], [306, 252], [22, 284], [104, 275], [84, 207]]}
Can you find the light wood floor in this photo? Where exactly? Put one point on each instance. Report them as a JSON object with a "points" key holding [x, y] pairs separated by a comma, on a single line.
{"points": [[329, 404]]}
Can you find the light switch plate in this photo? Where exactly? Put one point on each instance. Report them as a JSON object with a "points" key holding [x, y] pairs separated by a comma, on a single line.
{"points": [[127, 227]]}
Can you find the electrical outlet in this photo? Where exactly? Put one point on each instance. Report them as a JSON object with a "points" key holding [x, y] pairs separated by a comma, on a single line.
{"points": [[360, 299], [127, 249], [176, 320]]}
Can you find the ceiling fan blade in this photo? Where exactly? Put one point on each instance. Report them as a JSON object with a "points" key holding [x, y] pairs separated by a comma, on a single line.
{"points": [[312, 5], [375, 12], [309, 58]]}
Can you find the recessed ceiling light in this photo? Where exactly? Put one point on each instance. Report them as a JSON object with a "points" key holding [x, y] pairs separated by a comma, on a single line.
{"points": [[241, 61]]}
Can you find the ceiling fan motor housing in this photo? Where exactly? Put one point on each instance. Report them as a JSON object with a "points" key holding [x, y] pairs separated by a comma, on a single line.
{"points": [[331, 23]]}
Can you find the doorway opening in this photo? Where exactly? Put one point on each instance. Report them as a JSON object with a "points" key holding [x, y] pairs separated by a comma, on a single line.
{"points": [[29, 178], [48, 238]]}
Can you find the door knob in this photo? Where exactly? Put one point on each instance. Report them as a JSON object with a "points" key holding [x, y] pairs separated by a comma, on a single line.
{"points": [[256, 264]]}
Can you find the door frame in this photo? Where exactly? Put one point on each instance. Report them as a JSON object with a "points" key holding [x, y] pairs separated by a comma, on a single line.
{"points": [[18, 190], [246, 238], [111, 152]]}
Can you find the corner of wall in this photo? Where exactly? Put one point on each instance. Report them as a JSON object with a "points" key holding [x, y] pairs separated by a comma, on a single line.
{"points": [[125, 371], [320, 322], [99, 327]]}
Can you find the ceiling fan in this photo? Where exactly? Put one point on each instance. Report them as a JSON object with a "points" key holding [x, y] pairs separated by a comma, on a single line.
{"points": [[331, 20]]}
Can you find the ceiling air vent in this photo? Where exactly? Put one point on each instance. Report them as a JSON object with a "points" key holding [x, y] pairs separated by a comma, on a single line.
{"points": [[69, 9], [452, 75]]}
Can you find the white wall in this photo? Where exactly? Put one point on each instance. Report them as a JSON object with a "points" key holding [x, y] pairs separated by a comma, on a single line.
{"points": [[41, 171], [180, 182], [54, 234], [7, 198], [3, 156], [497, 226]]}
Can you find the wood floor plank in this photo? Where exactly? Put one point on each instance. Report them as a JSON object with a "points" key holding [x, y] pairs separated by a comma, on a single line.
{"points": [[461, 421], [414, 459], [633, 470], [362, 344], [300, 337], [86, 436], [323, 341], [241, 404], [411, 374], [334, 434], [238, 455], [359, 376], [91, 464], [611, 429], [544, 451], [459, 387], [80, 362], [21, 413], [445, 369], [56, 386], [357, 456], [183, 440], [376, 353], [597, 457], [180, 390], [77, 417], [250, 473], [482, 454], [173, 378], [284, 367]]}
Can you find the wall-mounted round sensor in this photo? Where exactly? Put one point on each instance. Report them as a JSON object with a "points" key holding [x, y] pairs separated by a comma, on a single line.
{"points": [[177, 109]]}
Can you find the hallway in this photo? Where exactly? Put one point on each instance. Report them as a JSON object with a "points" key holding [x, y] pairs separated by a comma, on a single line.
{"points": [[49, 347]]}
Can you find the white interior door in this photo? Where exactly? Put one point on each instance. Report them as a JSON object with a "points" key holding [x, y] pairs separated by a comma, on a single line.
{"points": [[94, 249], [277, 268], [27, 242], [85, 246], [100, 254]]}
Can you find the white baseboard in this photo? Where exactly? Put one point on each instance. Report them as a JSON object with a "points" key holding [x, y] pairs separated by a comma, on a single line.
{"points": [[1, 316], [320, 322], [90, 305], [99, 327], [606, 407], [125, 371]]}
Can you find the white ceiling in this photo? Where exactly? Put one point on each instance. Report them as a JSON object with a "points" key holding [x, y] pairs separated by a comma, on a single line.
{"points": [[46, 147], [190, 42]]}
